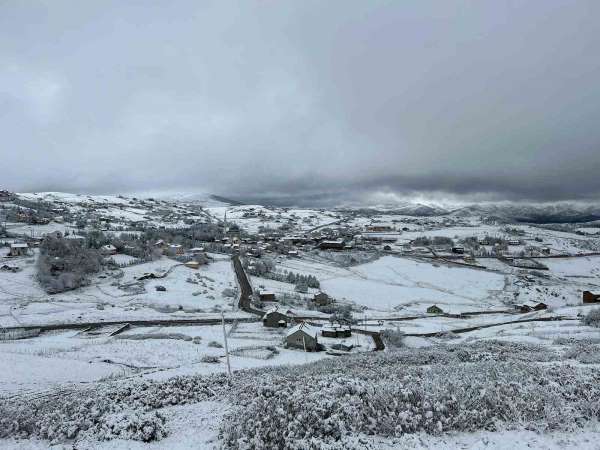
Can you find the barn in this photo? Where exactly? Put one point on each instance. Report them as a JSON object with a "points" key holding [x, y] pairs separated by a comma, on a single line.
{"points": [[18, 249], [302, 336]]}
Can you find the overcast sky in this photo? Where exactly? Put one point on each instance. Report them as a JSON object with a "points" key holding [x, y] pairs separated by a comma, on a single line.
{"points": [[302, 99]]}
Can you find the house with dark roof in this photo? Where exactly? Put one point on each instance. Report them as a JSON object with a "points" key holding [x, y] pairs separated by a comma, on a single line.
{"points": [[274, 318]]}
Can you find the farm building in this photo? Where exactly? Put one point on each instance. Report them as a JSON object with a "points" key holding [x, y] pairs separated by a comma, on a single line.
{"points": [[588, 297], [266, 296], [332, 245], [18, 249], [302, 336], [321, 299], [458, 250], [336, 331], [274, 318], [434, 309]]}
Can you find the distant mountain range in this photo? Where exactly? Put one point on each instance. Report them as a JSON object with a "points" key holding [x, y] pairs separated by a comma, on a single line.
{"points": [[562, 212], [534, 213], [559, 212]]}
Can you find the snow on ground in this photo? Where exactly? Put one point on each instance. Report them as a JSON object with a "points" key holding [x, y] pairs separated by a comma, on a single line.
{"points": [[392, 283], [586, 438], [63, 358], [23, 301], [252, 217]]}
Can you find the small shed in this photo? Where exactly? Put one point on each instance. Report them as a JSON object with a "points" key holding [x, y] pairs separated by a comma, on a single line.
{"points": [[434, 309], [302, 336], [274, 318], [458, 250], [18, 249]]}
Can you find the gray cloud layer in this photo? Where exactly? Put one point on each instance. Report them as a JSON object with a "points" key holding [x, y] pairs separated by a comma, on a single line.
{"points": [[306, 99]]}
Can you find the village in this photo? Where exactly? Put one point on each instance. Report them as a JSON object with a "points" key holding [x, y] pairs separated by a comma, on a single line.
{"points": [[96, 289]]}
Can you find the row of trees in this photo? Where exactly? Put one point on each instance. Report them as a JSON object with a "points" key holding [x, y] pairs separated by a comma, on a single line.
{"points": [[265, 268]]}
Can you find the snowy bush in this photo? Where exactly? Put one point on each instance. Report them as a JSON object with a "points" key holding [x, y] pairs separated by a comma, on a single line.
{"points": [[215, 344], [228, 293], [94, 412], [393, 338], [592, 319], [584, 352]]}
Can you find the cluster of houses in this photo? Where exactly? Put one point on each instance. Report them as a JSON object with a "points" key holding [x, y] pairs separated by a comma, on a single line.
{"points": [[301, 334]]}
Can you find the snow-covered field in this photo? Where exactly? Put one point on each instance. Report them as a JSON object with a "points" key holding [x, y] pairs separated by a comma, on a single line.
{"points": [[406, 285]]}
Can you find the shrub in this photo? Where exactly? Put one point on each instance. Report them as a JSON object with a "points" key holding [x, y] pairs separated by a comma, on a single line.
{"points": [[93, 412], [393, 338], [210, 359], [592, 318]]}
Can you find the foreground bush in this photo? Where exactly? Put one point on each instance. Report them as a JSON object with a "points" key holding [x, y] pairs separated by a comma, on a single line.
{"points": [[488, 385], [116, 410], [397, 393]]}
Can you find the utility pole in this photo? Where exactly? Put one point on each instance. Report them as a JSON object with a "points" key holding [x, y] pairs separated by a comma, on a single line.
{"points": [[226, 347]]}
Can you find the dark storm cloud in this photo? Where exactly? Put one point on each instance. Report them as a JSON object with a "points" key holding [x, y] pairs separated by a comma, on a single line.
{"points": [[302, 101]]}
